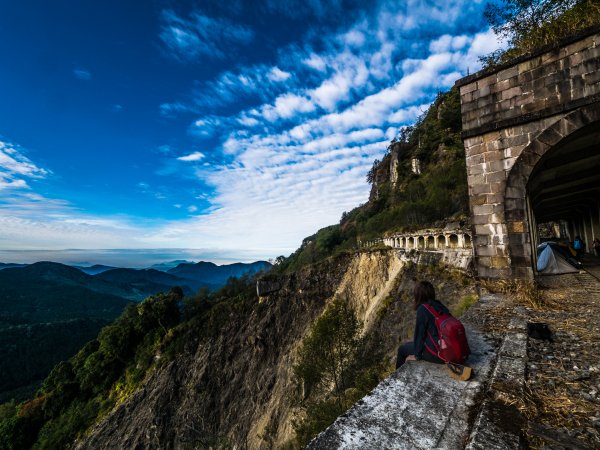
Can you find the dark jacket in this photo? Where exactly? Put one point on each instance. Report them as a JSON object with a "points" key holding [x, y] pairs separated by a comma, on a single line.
{"points": [[425, 328]]}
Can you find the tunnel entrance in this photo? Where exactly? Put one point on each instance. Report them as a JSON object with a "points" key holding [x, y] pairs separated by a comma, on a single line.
{"points": [[563, 192]]}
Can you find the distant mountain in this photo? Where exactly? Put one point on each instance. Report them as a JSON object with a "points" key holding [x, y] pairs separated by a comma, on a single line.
{"points": [[169, 265], [145, 281], [51, 292], [207, 273], [95, 269], [10, 265]]}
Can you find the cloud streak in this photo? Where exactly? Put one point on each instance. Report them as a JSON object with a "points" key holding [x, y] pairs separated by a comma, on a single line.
{"points": [[189, 39]]}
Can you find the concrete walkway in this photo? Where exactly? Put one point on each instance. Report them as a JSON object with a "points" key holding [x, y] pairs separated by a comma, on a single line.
{"points": [[421, 407]]}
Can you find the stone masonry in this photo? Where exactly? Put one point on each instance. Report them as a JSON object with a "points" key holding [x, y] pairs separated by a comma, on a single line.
{"points": [[512, 115]]}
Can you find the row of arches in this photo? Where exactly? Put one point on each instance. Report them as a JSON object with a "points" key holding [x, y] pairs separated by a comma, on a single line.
{"points": [[430, 241]]}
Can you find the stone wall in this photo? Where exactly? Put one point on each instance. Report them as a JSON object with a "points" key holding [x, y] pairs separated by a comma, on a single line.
{"points": [[511, 116]]}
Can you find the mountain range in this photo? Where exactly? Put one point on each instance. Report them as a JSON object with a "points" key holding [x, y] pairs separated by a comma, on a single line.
{"points": [[49, 310]]}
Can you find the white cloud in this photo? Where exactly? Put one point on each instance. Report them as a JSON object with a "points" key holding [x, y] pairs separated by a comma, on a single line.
{"points": [[82, 74], [296, 153], [199, 35], [195, 156], [276, 74]]}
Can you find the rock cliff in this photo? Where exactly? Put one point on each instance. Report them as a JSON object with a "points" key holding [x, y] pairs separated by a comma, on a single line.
{"points": [[236, 388]]}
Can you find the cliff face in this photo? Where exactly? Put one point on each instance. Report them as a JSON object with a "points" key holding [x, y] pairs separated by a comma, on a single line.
{"points": [[237, 389]]}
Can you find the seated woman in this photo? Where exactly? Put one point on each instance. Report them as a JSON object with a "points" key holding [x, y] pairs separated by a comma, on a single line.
{"points": [[426, 333]]}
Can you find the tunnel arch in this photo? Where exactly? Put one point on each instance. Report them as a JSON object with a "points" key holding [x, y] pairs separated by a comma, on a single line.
{"points": [[430, 243], [554, 179], [441, 242], [468, 243], [453, 241]]}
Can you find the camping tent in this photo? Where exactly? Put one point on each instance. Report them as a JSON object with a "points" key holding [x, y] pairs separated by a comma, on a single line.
{"points": [[552, 259]]}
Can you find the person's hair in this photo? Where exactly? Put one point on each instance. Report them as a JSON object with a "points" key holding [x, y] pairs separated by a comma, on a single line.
{"points": [[423, 293]]}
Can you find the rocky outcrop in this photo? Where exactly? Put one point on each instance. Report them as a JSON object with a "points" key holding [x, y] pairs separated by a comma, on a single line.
{"points": [[235, 388]]}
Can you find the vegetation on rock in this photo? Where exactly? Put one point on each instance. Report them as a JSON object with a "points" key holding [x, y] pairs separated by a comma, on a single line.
{"points": [[414, 200], [531, 24], [77, 391]]}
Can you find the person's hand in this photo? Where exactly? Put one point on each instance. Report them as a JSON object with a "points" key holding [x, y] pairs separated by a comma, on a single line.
{"points": [[410, 358]]}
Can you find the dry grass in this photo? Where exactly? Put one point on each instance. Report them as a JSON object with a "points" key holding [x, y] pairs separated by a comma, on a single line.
{"points": [[526, 293]]}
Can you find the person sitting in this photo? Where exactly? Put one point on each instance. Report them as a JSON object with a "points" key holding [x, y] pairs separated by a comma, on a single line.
{"points": [[426, 334]]}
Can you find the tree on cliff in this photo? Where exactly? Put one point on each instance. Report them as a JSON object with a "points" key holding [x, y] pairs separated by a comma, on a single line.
{"points": [[328, 351], [529, 24]]}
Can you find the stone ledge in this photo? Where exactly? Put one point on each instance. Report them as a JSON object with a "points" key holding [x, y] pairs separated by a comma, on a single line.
{"points": [[418, 407]]}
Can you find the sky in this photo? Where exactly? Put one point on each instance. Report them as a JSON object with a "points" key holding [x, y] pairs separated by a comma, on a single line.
{"points": [[216, 130]]}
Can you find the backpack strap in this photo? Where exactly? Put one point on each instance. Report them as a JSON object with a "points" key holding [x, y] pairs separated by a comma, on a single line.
{"points": [[431, 309]]}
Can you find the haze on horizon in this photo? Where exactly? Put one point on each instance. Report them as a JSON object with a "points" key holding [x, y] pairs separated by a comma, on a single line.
{"points": [[235, 128]]}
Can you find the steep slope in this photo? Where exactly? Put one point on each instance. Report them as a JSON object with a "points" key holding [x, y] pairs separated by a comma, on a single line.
{"points": [[234, 386]]}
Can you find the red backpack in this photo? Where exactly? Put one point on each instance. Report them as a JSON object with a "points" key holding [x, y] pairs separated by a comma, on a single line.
{"points": [[452, 345]]}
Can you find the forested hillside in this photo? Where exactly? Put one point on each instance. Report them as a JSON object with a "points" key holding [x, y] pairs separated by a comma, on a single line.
{"points": [[402, 199]]}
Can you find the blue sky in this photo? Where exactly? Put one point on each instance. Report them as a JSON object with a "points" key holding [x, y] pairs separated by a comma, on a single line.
{"points": [[232, 128]]}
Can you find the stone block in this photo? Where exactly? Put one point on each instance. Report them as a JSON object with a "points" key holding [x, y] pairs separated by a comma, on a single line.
{"points": [[467, 88], [591, 113], [517, 192], [475, 170], [476, 159], [500, 262], [468, 107], [516, 227], [592, 77], [575, 59], [512, 92], [508, 73], [523, 273], [579, 46], [551, 136], [495, 177], [553, 79], [537, 104], [482, 230], [481, 219], [483, 82], [529, 64], [485, 261], [514, 215], [486, 250], [477, 199], [551, 56], [494, 154], [495, 198]]}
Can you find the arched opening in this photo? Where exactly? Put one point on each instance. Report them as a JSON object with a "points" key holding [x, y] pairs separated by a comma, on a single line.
{"points": [[421, 242], [468, 243], [553, 191], [441, 242], [410, 243], [402, 243], [453, 241], [430, 243]]}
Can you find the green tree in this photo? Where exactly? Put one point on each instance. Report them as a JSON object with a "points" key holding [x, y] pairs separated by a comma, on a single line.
{"points": [[329, 350], [529, 24]]}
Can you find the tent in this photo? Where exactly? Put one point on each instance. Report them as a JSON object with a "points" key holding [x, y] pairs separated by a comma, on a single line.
{"points": [[552, 259]]}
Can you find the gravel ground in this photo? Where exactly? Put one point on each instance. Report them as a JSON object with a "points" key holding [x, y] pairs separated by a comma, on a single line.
{"points": [[563, 375]]}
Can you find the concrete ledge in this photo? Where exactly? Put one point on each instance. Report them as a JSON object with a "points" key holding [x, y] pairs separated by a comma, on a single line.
{"points": [[418, 407], [498, 426]]}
